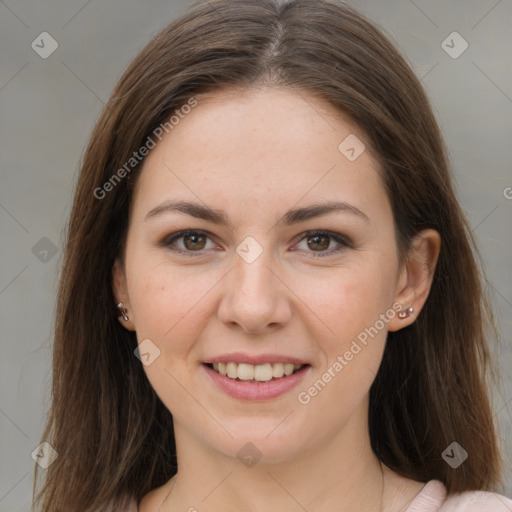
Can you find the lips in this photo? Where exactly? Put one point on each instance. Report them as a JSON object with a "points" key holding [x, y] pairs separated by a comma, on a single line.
{"points": [[255, 377]]}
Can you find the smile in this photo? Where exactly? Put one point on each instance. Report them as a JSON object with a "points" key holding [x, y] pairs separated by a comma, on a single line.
{"points": [[248, 382], [259, 373]]}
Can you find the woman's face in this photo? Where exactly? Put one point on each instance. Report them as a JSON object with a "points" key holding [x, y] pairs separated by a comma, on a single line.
{"points": [[254, 282]]}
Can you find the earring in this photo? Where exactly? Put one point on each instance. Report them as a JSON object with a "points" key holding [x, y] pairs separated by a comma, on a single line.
{"points": [[123, 311], [406, 313]]}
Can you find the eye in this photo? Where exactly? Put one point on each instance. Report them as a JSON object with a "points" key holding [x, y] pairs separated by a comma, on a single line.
{"points": [[320, 241], [189, 241]]}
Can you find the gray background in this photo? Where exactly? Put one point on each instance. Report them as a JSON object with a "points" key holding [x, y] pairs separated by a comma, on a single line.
{"points": [[48, 108]]}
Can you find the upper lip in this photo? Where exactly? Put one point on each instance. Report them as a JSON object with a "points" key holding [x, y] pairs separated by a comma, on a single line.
{"points": [[254, 359]]}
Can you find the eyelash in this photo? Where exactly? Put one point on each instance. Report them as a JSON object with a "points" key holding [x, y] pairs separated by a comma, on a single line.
{"points": [[342, 241]]}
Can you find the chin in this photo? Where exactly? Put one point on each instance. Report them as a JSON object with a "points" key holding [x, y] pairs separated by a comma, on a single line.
{"points": [[266, 441]]}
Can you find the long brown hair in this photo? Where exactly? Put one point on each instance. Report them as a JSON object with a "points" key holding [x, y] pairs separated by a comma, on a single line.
{"points": [[113, 436]]}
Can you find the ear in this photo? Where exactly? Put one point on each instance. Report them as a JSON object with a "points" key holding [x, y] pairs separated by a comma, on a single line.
{"points": [[416, 276], [121, 295]]}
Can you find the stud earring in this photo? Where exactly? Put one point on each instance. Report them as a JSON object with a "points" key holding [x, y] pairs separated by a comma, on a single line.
{"points": [[123, 311], [406, 313]]}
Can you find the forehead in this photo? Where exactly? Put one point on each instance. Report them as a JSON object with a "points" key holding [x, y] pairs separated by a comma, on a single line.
{"points": [[279, 119], [261, 145]]}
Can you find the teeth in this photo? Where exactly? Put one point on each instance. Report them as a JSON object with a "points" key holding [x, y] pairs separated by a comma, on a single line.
{"points": [[288, 368], [231, 371], [263, 372], [277, 370], [245, 371], [259, 372]]}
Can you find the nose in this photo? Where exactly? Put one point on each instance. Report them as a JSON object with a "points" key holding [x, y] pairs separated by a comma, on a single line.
{"points": [[255, 298]]}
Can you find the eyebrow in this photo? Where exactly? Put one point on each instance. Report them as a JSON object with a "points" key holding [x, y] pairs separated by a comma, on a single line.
{"points": [[291, 217]]}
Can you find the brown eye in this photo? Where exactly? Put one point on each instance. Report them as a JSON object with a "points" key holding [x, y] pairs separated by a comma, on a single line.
{"points": [[194, 242], [188, 242], [319, 242]]}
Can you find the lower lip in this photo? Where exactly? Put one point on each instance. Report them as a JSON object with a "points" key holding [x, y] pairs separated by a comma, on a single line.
{"points": [[256, 391]]}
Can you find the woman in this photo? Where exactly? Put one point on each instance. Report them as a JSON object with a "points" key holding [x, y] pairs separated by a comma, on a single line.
{"points": [[269, 299]]}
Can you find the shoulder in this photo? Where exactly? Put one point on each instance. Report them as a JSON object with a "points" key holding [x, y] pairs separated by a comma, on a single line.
{"points": [[433, 498], [476, 501]]}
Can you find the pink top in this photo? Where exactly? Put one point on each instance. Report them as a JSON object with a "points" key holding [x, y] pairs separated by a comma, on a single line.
{"points": [[432, 498]]}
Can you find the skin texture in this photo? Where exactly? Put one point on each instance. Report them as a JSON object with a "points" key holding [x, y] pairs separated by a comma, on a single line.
{"points": [[255, 155]]}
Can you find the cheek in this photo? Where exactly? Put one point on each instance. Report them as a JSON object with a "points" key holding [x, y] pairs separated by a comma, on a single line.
{"points": [[350, 299], [351, 305], [171, 306]]}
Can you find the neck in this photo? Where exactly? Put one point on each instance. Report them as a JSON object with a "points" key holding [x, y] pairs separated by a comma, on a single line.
{"points": [[341, 473]]}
